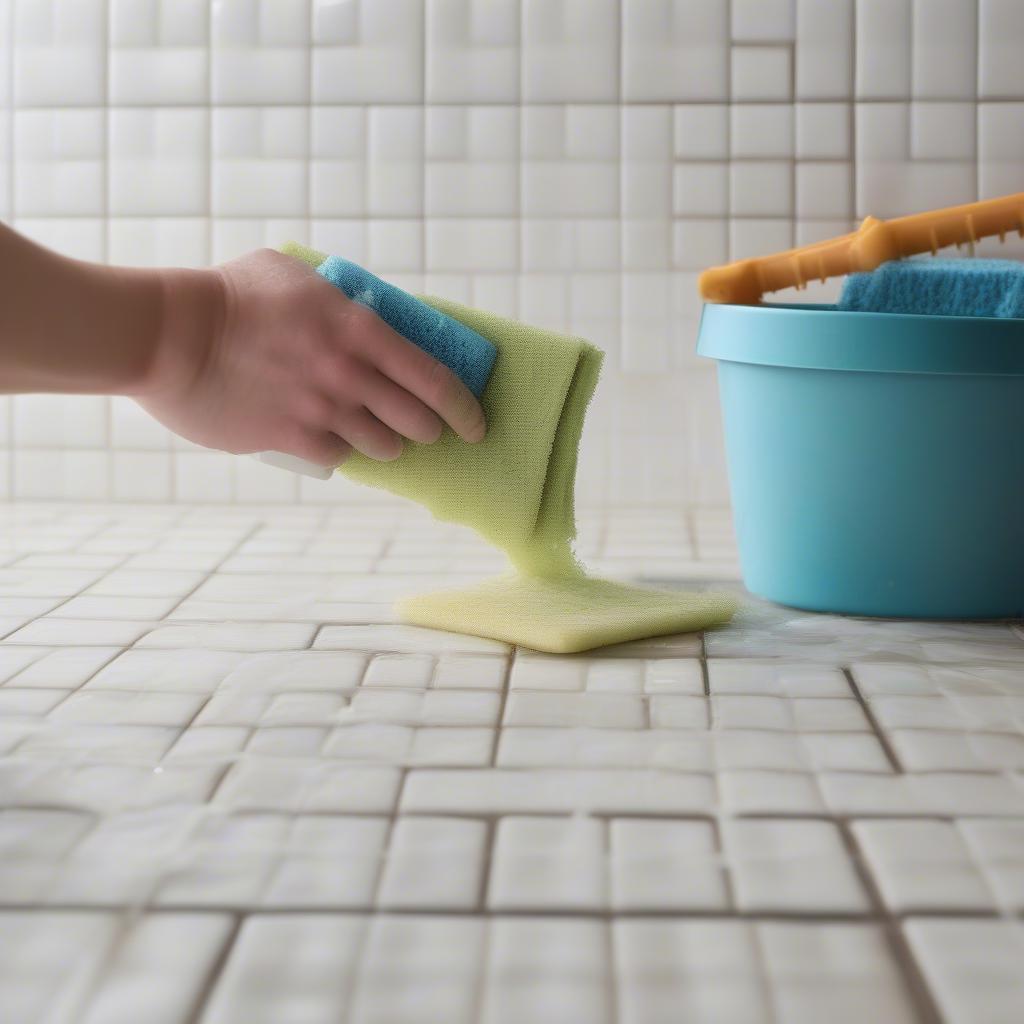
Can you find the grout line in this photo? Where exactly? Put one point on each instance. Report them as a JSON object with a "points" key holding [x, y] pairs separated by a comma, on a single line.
{"points": [[917, 990], [611, 975], [855, 198], [107, 400], [11, 169], [213, 972], [689, 101], [499, 722], [597, 913], [310, 108], [486, 867], [729, 218], [480, 984], [358, 973], [769, 1001], [706, 677], [422, 220], [869, 714]]}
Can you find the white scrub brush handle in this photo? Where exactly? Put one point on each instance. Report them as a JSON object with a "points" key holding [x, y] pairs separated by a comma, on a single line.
{"points": [[294, 465]]}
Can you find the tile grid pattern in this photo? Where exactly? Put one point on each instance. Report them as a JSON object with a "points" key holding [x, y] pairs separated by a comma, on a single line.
{"points": [[571, 162], [231, 783]]}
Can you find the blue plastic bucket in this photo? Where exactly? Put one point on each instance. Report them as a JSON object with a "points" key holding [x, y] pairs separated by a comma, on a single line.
{"points": [[876, 460]]}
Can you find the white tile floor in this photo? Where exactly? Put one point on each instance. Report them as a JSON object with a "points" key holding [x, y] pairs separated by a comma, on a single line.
{"points": [[232, 789]]}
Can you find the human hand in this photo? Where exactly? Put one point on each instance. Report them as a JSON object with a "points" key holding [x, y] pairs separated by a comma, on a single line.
{"points": [[261, 353]]}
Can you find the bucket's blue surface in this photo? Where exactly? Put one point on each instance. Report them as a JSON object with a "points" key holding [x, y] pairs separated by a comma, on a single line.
{"points": [[876, 460]]}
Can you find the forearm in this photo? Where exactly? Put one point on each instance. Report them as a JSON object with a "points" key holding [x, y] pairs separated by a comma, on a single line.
{"points": [[71, 326]]}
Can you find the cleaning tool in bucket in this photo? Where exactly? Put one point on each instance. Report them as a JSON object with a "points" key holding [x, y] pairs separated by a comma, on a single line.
{"points": [[875, 458], [516, 488], [971, 287], [872, 244]]}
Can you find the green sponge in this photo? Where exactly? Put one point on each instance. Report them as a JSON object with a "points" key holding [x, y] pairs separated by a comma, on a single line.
{"points": [[516, 489]]}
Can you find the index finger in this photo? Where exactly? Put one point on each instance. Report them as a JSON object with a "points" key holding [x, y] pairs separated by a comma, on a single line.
{"points": [[425, 377]]}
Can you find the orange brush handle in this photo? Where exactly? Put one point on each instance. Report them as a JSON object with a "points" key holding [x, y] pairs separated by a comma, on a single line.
{"points": [[873, 243]]}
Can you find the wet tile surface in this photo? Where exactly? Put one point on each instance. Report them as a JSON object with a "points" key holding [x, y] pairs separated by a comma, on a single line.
{"points": [[247, 794]]}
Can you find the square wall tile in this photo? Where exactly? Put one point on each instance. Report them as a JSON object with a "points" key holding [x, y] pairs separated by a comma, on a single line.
{"points": [[646, 243], [159, 241], [158, 161], [234, 236], [368, 51], [6, 406], [6, 53], [700, 189], [570, 51], [824, 131], [943, 131], [763, 21], [889, 183], [699, 243], [824, 190], [700, 131], [544, 300], [260, 51], [202, 476], [754, 236], [394, 245], [158, 52], [131, 427], [674, 50], [59, 474], [59, 53], [1000, 148], [472, 161], [583, 244], [643, 407], [338, 178], [762, 130], [762, 73], [395, 161], [472, 51], [84, 238], [570, 161], [761, 188], [141, 476], [824, 49], [345, 237], [60, 421], [884, 61], [260, 161], [647, 334], [6, 147], [1000, 70], [58, 163], [945, 50], [646, 161]]}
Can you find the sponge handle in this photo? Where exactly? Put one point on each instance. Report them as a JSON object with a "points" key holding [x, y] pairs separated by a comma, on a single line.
{"points": [[873, 243], [292, 463]]}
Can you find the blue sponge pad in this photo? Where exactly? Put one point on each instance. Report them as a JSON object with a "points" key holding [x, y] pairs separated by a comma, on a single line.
{"points": [[968, 287], [468, 355]]}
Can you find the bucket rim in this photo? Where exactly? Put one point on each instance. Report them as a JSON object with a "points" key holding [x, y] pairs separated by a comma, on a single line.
{"points": [[823, 337]]}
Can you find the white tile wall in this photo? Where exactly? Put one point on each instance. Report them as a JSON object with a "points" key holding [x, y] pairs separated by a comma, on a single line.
{"points": [[571, 162]]}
